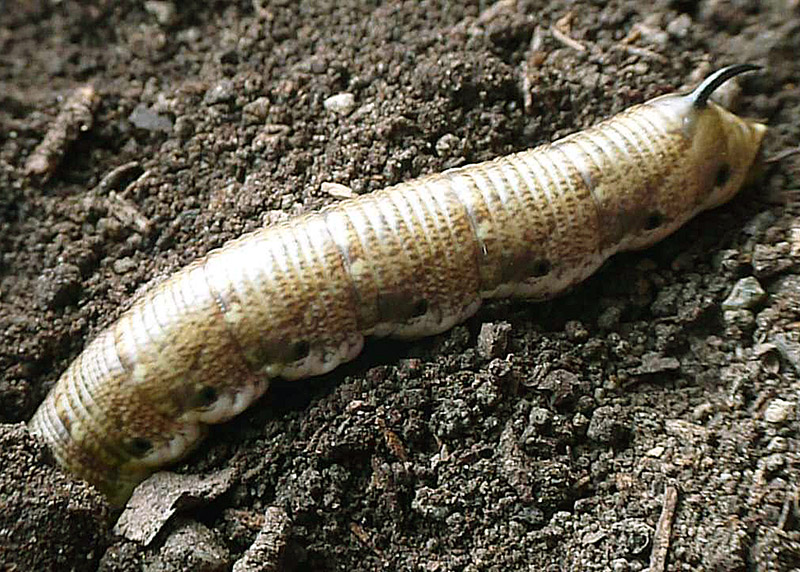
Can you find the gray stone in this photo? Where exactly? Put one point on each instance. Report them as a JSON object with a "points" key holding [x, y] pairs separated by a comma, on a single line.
{"points": [[223, 92], [747, 293], [608, 426], [493, 339], [159, 497], [778, 411], [341, 103]]}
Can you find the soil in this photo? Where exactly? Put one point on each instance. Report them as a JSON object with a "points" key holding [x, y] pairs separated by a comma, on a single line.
{"points": [[546, 436]]}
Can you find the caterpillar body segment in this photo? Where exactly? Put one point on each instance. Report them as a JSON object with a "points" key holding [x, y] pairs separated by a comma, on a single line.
{"points": [[298, 299]]}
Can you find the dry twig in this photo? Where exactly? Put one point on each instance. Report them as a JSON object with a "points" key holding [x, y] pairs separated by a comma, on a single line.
{"points": [[658, 558], [561, 32], [75, 118]]}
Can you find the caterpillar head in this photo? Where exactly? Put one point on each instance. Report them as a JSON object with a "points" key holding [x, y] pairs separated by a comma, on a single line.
{"points": [[705, 155], [722, 148], [736, 141]]}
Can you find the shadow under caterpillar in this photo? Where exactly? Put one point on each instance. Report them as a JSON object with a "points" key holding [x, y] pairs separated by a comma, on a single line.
{"points": [[297, 299]]}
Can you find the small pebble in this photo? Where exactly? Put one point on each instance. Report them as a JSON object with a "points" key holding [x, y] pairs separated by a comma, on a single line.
{"points": [[778, 411], [164, 12], [341, 103], [747, 293], [562, 385], [318, 65], [222, 92], [778, 445], [702, 411], [769, 356], [337, 190], [493, 339], [447, 145], [145, 118], [593, 537], [124, 265], [651, 31], [58, 287], [258, 110], [576, 331], [680, 26], [608, 426], [540, 417], [773, 462]]}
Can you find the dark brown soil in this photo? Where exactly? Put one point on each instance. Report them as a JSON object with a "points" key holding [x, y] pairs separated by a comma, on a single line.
{"points": [[553, 455]]}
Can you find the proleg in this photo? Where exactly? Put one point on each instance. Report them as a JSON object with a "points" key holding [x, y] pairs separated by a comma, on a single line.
{"points": [[297, 299]]}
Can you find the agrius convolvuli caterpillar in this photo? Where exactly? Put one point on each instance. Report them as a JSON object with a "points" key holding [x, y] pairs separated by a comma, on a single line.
{"points": [[297, 299]]}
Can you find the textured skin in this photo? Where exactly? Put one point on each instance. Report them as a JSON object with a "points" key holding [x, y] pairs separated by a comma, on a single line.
{"points": [[412, 260]]}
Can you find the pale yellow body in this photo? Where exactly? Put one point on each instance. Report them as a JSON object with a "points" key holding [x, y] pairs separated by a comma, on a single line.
{"points": [[412, 260]]}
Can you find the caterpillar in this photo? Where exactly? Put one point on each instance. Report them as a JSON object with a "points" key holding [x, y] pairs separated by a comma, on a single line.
{"points": [[297, 299]]}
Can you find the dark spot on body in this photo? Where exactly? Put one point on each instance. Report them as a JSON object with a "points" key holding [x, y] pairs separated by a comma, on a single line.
{"points": [[275, 351], [400, 306], [206, 396], [139, 446], [522, 266], [420, 308], [300, 350], [540, 268], [723, 175], [654, 220], [63, 414]]}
